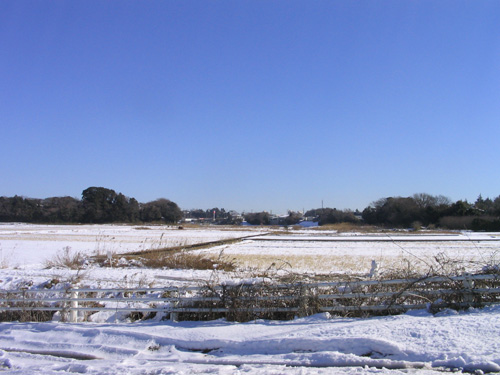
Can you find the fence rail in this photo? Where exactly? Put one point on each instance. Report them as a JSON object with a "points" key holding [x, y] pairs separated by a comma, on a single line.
{"points": [[251, 301]]}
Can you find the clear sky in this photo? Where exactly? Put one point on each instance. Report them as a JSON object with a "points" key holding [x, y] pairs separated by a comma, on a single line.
{"points": [[251, 105]]}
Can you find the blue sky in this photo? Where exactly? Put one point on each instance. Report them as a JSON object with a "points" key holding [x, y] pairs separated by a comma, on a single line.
{"points": [[251, 105]]}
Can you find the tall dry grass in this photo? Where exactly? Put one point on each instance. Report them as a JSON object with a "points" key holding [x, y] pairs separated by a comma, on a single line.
{"points": [[66, 258], [187, 260]]}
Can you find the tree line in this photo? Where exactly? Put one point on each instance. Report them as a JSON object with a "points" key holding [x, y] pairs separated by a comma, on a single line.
{"points": [[98, 205], [419, 210], [434, 211], [101, 205], [321, 215]]}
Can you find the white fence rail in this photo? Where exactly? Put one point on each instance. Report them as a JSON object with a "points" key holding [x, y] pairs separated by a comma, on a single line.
{"points": [[250, 301]]}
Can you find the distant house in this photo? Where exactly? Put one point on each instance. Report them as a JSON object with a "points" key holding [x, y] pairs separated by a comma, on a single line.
{"points": [[358, 216], [278, 220], [235, 215]]}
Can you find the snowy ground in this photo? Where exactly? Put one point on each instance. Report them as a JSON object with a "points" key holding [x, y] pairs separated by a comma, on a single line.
{"points": [[416, 342]]}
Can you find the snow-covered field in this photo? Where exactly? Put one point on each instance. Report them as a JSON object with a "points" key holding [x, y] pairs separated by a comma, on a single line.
{"points": [[306, 252], [416, 342], [28, 244]]}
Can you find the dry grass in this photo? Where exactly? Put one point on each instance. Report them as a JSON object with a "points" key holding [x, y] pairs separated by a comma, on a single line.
{"points": [[321, 264], [313, 263], [187, 260], [27, 315], [4, 263], [66, 258], [171, 260], [348, 227]]}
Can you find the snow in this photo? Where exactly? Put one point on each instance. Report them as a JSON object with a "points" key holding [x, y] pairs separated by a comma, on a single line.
{"points": [[414, 343], [417, 342]]}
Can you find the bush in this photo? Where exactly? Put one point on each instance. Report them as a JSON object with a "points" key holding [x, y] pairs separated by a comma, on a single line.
{"points": [[416, 225], [456, 222], [258, 218], [487, 224]]}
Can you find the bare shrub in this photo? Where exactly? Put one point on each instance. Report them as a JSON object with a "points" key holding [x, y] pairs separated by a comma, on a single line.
{"points": [[26, 306], [246, 301], [416, 226], [26, 315], [66, 258]]}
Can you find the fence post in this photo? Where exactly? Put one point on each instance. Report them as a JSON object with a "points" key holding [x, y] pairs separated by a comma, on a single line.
{"points": [[174, 316], [468, 284], [73, 315], [303, 305], [24, 289]]}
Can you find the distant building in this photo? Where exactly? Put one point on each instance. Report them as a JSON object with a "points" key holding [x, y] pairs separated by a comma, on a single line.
{"points": [[278, 220]]}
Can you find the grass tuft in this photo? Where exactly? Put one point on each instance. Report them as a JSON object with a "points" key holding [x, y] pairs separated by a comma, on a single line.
{"points": [[66, 258]]}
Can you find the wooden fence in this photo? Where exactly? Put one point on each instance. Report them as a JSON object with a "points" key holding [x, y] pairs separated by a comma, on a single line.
{"points": [[244, 302]]}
